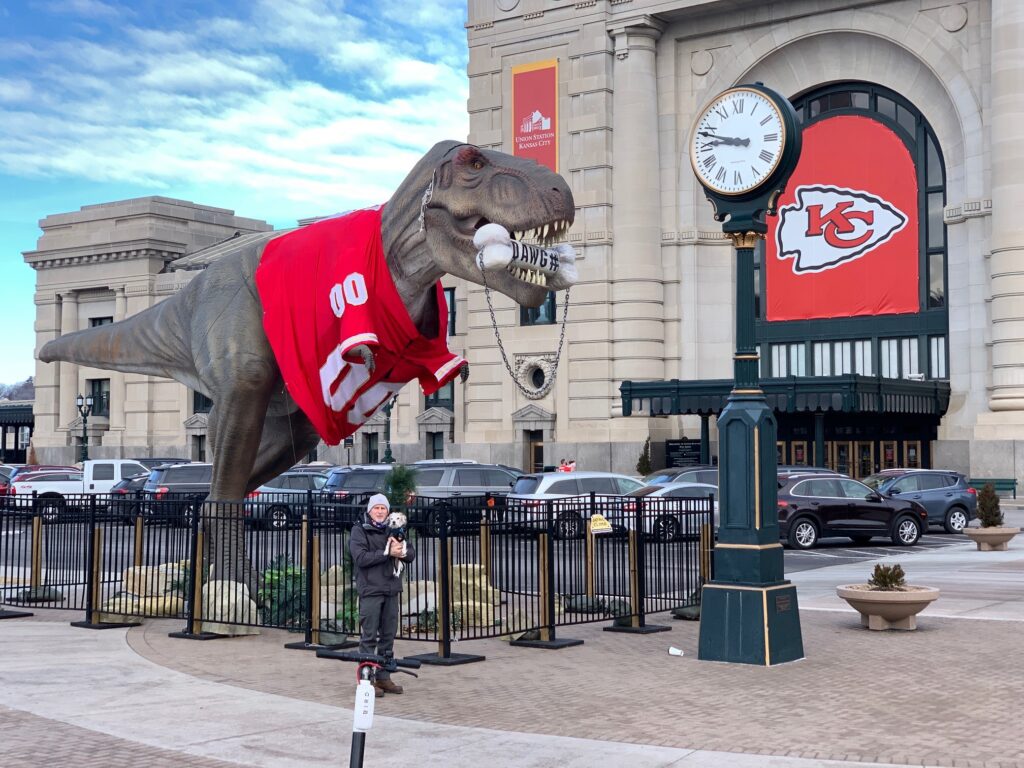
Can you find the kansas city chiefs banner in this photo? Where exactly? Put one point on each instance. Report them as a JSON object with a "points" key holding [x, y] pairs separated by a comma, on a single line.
{"points": [[325, 289], [535, 112], [845, 240]]}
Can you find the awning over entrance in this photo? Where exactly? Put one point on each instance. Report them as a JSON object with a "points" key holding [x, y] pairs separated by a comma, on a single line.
{"points": [[18, 414], [795, 394]]}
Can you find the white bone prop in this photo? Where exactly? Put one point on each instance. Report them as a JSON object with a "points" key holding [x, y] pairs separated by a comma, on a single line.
{"points": [[499, 251]]}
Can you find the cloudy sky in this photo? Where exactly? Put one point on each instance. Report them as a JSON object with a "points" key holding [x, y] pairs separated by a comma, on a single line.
{"points": [[278, 110]]}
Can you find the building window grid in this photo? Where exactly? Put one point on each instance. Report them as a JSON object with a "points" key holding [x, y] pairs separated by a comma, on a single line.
{"points": [[937, 357], [100, 391], [542, 315], [449, 298]]}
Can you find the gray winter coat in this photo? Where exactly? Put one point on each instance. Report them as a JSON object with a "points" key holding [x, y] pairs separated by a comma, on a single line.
{"points": [[375, 571]]}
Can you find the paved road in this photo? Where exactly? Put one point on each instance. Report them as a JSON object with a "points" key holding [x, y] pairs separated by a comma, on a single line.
{"points": [[838, 551]]}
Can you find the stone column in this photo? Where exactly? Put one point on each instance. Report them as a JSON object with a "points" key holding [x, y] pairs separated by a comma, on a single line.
{"points": [[1007, 206], [68, 371], [637, 296], [117, 388]]}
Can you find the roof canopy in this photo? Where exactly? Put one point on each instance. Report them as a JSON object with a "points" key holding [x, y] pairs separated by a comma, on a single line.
{"points": [[847, 394]]}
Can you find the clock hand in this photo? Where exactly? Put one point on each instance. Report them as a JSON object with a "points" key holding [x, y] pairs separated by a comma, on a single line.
{"points": [[729, 141]]}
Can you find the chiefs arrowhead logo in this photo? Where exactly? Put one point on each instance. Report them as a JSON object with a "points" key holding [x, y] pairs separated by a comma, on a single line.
{"points": [[829, 226]]}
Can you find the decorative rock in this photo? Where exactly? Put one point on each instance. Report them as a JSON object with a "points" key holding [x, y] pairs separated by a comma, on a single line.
{"points": [[228, 601], [470, 583], [335, 578], [419, 596], [477, 614], [120, 609], [162, 605], [144, 581]]}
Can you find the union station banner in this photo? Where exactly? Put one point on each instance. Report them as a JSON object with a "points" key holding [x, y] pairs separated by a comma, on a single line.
{"points": [[845, 240], [535, 112]]}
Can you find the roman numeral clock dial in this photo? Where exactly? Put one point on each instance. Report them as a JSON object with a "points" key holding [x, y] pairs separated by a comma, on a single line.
{"points": [[737, 141]]}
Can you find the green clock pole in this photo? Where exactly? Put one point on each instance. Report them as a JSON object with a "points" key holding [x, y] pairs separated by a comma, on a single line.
{"points": [[749, 612]]}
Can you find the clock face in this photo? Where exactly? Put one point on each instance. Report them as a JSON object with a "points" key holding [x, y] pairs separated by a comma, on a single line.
{"points": [[737, 141]]}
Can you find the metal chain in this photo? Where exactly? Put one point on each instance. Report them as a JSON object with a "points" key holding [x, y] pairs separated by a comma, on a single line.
{"points": [[542, 391]]}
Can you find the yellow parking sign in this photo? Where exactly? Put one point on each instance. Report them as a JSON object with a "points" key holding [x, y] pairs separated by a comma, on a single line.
{"points": [[599, 524]]}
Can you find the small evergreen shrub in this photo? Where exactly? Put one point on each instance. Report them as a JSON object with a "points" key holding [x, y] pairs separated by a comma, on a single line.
{"points": [[401, 485], [643, 466], [888, 578], [989, 513]]}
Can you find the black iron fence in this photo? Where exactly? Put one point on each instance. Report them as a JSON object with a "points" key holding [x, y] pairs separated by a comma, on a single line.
{"points": [[485, 567]]}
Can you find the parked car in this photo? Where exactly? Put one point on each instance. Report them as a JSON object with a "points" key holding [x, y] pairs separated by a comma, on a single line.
{"points": [[150, 463], [698, 473], [950, 501], [662, 518], [44, 493], [446, 479], [280, 502], [814, 506], [174, 493], [792, 469], [95, 477], [126, 499], [569, 493]]}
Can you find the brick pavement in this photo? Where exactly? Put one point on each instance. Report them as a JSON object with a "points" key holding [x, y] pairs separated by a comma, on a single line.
{"points": [[940, 696], [29, 742]]}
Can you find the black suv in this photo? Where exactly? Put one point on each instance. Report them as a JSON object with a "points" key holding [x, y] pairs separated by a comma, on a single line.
{"points": [[812, 507], [174, 493]]}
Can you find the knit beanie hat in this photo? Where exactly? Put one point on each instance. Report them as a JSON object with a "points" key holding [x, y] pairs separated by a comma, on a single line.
{"points": [[377, 498]]}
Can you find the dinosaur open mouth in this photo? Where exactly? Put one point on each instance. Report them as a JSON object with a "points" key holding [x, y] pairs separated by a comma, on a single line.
{"points": [[546, 234]]}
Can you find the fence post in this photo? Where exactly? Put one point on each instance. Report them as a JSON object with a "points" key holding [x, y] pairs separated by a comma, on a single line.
{"points": [[140, 542], [9, 566], [485, 549], [589, 562], [194, 616], [637, 580], [36, 592], [546, 589], [93, 579], [443, 605]]}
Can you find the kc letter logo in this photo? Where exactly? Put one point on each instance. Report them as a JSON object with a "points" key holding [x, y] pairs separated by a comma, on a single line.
{"points": [[828, 226]]}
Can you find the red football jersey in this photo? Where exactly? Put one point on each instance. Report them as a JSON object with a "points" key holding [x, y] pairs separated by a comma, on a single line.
{"points": [[325, 288]]}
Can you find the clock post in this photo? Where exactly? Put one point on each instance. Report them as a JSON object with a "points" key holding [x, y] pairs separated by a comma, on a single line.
{"points": [[749, 611]]}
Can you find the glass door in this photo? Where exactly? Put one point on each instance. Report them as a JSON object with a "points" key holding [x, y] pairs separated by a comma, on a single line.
{"points": [[839, 453], [535, 450], [780, 453], [798, 452], [912, 454], [865, 458], [889, 460]]}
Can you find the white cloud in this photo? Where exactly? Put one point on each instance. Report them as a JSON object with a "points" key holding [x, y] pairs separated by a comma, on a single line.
{"points": [[226, 111], [90, 9]]}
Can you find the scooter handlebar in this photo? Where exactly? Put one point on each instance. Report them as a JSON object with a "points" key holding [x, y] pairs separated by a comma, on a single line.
{"points": [[372, 658]]}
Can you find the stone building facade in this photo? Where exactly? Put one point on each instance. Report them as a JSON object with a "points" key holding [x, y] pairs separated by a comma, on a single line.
{"points": [[656, 301]]}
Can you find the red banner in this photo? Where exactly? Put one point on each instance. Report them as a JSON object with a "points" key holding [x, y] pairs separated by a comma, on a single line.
{"points": [[535, 112], [845, 240]]}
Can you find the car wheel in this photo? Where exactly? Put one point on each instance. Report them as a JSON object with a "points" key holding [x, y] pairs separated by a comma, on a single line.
{"points": [[906, 532], [803, 533], [956, 520], [568, 525], [860, 540], [666, 528], [277, 518], [50, 509]]}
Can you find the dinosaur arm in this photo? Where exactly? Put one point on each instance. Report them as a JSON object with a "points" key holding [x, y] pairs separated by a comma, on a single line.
{"points": [[366, 354]]}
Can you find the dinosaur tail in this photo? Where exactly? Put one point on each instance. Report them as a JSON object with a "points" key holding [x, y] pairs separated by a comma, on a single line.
{"points": [[153, 342]]}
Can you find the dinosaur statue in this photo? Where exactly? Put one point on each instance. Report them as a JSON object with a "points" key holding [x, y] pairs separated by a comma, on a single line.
{"points": [[210, 335]]}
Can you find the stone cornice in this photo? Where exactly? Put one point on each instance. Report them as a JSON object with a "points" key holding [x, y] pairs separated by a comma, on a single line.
{"points": [[123, 252]]}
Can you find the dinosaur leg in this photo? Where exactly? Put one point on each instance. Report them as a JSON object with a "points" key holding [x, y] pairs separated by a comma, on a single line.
{"points": [[287, 438], [235, 430]]}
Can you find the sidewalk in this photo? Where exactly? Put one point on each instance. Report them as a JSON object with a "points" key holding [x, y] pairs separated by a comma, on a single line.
{"points": [[74, 697]]}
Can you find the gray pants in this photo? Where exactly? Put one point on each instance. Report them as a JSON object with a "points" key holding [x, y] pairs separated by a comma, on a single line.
{"points": [[378, 624]]}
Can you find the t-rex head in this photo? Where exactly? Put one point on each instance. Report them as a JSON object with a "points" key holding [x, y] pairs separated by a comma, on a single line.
{"points": [[460, 188]]}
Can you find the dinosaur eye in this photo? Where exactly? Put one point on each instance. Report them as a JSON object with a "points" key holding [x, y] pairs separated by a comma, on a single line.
{"points": [[478, 164]]}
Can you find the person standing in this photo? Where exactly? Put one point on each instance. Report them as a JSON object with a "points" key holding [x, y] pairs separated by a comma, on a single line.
{"points": [[379, 585]]}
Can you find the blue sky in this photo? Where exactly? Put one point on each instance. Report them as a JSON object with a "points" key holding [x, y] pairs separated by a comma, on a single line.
{"points": [[278, 110]]}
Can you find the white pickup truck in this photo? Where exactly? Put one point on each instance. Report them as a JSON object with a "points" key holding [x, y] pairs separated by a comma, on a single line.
{"points": [[96, 476]]}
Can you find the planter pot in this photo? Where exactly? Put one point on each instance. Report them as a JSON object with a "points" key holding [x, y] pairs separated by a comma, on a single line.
{"points": [[991, 539], [888, 610]]}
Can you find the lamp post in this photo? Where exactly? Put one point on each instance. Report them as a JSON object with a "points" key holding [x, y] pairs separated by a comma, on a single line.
{"points": [[84, 408], [388, 458]]}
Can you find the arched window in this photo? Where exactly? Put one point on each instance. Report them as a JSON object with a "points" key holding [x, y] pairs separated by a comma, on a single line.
{"points": [[894, 346]]}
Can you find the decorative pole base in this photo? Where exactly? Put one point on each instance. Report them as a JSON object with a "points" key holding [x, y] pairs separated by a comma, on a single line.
{"points": [[750, 625]]}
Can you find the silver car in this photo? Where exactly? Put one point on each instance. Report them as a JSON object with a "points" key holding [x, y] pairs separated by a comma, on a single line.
{"points": [[664, 518], [279, 503], [570, 496]]}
